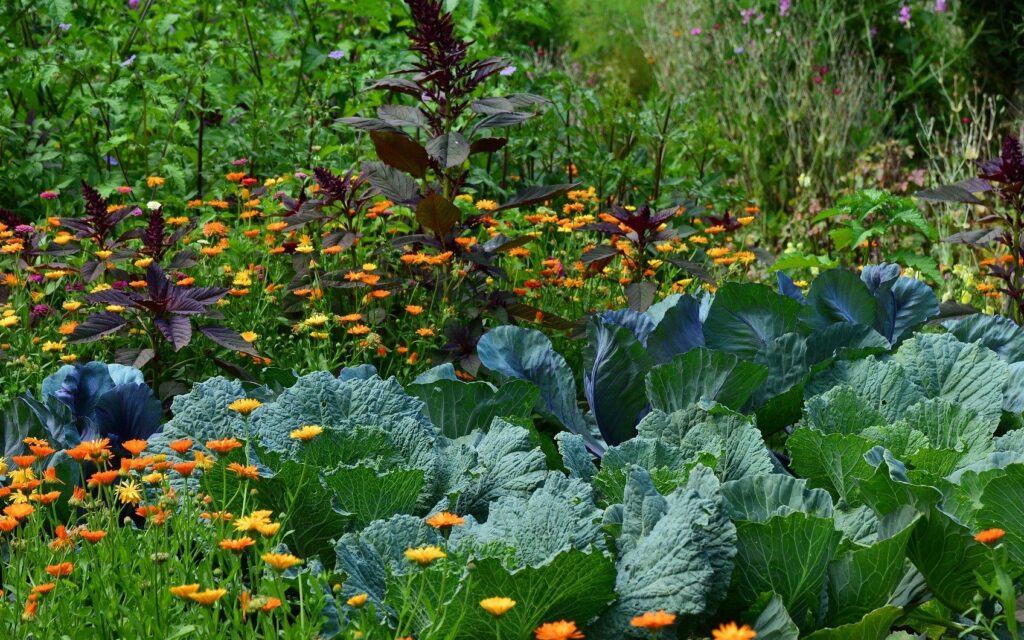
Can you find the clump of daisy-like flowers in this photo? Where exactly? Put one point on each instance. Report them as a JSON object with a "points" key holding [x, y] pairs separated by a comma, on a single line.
{"points": [[141, 537]]}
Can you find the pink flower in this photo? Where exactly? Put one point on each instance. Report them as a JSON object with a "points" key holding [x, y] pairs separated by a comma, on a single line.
{"points": [[696, 31], [904, 16], [48, 195], [940, 6], [123, 190], [837, 91]]}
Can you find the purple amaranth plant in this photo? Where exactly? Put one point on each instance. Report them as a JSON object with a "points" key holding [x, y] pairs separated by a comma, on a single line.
{"points": [[1003, 177]]}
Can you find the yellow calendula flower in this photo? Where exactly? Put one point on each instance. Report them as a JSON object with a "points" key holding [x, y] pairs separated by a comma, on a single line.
{"points": [[53, 346], [208, 597], [128, 492], [498, 606], [142, 263], [281, 561], [183, 591], [72, 305], [9, 321], [357, 600], [306, 433], [245, 406], [425, 555], [249, 336]]}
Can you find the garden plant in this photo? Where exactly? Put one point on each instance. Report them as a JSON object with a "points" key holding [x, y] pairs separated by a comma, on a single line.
{"points": [[549, 320]]}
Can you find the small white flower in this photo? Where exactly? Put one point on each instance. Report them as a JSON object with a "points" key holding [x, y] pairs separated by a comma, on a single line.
{"points": [[152, 205]]}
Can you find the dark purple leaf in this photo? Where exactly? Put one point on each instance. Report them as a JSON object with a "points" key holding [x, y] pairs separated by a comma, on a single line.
{"points": [[600, 252], [640, 295], [948, 193], [98, 325], [176, 329], [228, 338], [393, 184], [399, 85], [369, 124], [501, 120], [401, 152], [437, 214], [490, 106], [978, 237], [204, 295], [487, 145], [449, 149], [92, 269], [111, 296], [398, 115], [535, 195]]}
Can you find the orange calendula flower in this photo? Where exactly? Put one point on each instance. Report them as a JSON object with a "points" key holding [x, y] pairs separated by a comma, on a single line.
{"points": [[245, 406], [270, 605], [19, 510], [413, 309], [208, 597], [42, 450], [181, 446], [24, 461], [729, 631], [103, 478], [654, 620], [135, 447], [497, 607], [249, 472], [184, 468], [237, 545], [559, 630], [423, 556], [61, 570], [8, 524], [224, 446], [357, 600], [92, 536], [183, 591], [989, 536], [94, 450], [281, 561], [445, 519], [44, 588], [45, 498], [306, 433]]}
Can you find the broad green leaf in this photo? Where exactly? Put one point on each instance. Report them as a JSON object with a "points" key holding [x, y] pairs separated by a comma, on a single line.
{"points": [[864, 579], [364, 495], [1002, 335], [833, 462], [774, 623], [885, 386], [1002, 507], [743, 318], [788, 555], [873, 626], [703, 374], [682, 565], [574, 585], [840, 410], [614, 367], [838, 296], [966, 374], [457, 408], [761, 498]]}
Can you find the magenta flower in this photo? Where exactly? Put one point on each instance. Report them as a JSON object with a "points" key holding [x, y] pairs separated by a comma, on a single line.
{"points": [[904, 16], [696, 31], [784, 7], [123, 190], [48, 195], [240, 162], [940, 6]]}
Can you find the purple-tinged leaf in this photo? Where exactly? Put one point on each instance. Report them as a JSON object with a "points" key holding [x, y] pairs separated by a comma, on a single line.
{"points": [[369, 124], [401, 152], [183, 259], [399, 85], [157, 284], [92, 269], [98, 325], [501, 120], [111, 296], [398, 115], [640, 295], [978, 237], [449, 149], [491, 106], [131, 357], [961, 192], [600, 252], [487, 145], [204, 295], [228, 338], [176, 329], [536, 195], [526, 99], [393, 184], [437, 214]]}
